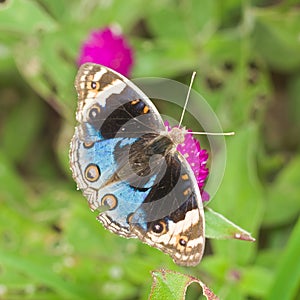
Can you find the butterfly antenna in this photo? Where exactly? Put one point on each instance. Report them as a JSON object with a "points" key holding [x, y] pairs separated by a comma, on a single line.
{"points": [[187, 98], [184, 109], [212, 133]]}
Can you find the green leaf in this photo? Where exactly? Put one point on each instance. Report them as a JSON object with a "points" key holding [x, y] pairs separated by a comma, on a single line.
{"points": [[282, 199], [294, 104], [57, 9], [201, 16], [240, 194], [12, 186], [230, 72], [42, 274], [276, 37], [287, 279], [164, 52], [28, 108], [171, 285], [218, 227], [255, 281], [251, 280], [167, 21], [123, 13], [51, 70], [24, 18], [63, 145]]}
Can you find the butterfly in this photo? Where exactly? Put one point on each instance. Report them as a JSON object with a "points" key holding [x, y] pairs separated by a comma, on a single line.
{"points": [[125, 162]]}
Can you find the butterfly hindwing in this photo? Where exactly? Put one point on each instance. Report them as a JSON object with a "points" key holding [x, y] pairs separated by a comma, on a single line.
{"points": [[171, 217]]}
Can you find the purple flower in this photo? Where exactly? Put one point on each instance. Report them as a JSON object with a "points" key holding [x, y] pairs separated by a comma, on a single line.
{"points": [[196, 157], [107, 47]]}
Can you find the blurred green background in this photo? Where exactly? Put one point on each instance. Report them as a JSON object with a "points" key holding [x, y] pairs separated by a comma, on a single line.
{"points": [[247, 58]]}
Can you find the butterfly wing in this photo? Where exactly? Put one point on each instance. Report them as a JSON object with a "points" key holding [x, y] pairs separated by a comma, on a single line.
{"points": [[171, 217], [112, 115], [121, 159], [109, 105], [113, 177]]}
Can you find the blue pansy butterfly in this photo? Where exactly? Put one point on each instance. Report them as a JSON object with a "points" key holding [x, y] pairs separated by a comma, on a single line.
{"points": [[125, 162]]}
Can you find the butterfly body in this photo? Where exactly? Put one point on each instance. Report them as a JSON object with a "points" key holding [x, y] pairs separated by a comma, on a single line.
{"points": [[125, 161]]}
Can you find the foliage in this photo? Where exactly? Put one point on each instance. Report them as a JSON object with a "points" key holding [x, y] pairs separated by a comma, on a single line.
{"points": [[246, 54], [170, 285]]}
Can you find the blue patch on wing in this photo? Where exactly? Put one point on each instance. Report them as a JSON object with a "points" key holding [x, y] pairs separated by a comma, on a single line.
{"points": [[128, 198], [128, 201], [88, 133], [101, 153]]}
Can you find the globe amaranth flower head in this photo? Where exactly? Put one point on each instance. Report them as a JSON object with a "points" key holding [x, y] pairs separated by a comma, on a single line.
{"points": [[197, 159], [107, 47]]}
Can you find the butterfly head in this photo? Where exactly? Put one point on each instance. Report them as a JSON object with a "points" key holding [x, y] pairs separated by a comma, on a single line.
{"points": [[177, 135]]}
